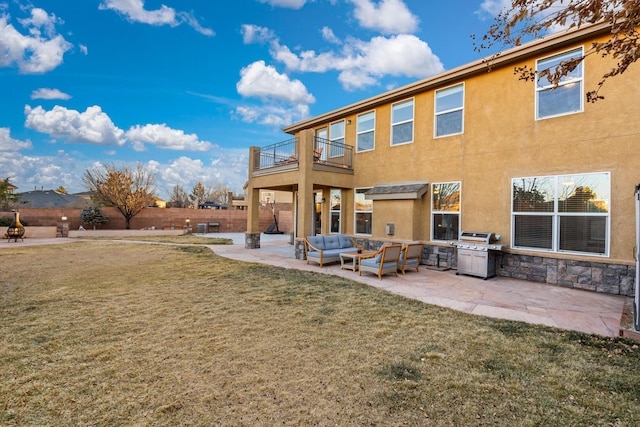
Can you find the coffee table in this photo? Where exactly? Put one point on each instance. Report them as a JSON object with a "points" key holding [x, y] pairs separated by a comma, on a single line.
{"points": [[349, 260]]}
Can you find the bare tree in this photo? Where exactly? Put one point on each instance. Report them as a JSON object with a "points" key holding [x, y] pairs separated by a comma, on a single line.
{"points": [[128, 189], [527, 19], [179, 197], [220, 194]]}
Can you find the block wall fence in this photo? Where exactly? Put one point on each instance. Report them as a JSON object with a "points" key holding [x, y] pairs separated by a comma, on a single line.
{"points": [[231, 221]]}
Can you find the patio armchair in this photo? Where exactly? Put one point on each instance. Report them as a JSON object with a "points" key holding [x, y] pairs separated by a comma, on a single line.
{"points": [[411, 256], [383, 261]]}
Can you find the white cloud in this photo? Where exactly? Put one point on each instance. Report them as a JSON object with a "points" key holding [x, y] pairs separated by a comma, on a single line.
{"points": [[388, 16], [493, 7], [84, 49], [256, 34], [228, 167], [134, 11], [329, 36], [46, 93], [363, 63], [162, 136], [264, 82], [272, 115], [92, 126], [288, 4], [9, 144], [29, 172], [33, 53]]}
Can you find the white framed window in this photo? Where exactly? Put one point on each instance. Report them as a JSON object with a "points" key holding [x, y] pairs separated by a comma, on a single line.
{"points": [[365, 131], [402, 122], [449, 111], [336, 139], [335, 209], [568, 97], [563, 213], [363, 209], [445, 210]]}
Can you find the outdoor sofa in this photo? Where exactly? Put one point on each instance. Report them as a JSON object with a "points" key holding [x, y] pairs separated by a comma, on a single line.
{"points": [[324, 249]]}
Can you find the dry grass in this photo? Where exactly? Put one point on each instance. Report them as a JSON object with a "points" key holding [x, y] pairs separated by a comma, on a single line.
{"points": [[185, 239], [107, 333]]}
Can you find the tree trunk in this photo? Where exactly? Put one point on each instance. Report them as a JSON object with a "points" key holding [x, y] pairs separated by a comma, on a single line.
{"points": [[127, 223]]}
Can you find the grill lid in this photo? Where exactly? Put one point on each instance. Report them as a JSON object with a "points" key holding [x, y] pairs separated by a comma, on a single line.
{"points": [[477, 237]]}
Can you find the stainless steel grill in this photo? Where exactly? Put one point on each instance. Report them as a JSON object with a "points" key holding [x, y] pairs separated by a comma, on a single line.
{"points": [[477, 253]]}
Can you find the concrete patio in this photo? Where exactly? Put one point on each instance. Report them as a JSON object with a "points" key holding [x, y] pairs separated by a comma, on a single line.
{"points": [[498, 297]]}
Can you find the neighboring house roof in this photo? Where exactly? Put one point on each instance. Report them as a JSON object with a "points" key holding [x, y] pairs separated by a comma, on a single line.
{"points": [[537, 47], [52, 199], [85, 195], [397, 191], [211, 205], [9, 185]]}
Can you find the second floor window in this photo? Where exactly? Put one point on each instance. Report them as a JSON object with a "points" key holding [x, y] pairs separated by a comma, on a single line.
{"points": [[449, 110], [402, 122], [568, 97], [336, 135], [365, 130]]}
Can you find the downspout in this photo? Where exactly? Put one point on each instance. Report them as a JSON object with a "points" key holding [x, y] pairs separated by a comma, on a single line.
{"points": [[636, 301]]}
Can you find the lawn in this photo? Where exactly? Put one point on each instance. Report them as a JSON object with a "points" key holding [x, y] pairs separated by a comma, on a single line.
{"points": [[111, 333]]}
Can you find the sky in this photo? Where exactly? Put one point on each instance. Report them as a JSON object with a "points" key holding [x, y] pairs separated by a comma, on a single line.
{"points": [[185, 87]]}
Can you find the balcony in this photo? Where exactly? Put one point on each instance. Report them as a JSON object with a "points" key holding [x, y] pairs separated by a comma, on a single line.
{"points": [[285, 156]]}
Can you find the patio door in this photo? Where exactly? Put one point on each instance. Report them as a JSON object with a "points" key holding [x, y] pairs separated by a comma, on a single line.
{"points": [[320, 144], [317, 213]]}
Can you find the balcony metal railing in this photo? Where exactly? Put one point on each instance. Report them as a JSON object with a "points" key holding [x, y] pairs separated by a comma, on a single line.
{"points": [[332, 153], [286, 153], [278, 154]]}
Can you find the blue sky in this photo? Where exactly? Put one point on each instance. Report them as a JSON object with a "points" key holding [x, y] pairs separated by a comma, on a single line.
{"points": [[185, 87]]}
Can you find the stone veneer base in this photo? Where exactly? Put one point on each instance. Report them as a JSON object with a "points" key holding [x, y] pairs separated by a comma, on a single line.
{"points": [[613, 279], [252, 240]]}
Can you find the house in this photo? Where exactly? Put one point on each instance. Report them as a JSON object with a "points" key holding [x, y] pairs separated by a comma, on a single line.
{"points": [[469, 149], [10, 188], [52, 199]]}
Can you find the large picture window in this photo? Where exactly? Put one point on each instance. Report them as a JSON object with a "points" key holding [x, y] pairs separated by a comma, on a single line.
{"points": [[335, 205], [449, 110], [363, 212], [564, 213], [568, 97], [402, 122], [365, 131], [445, 211]]}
